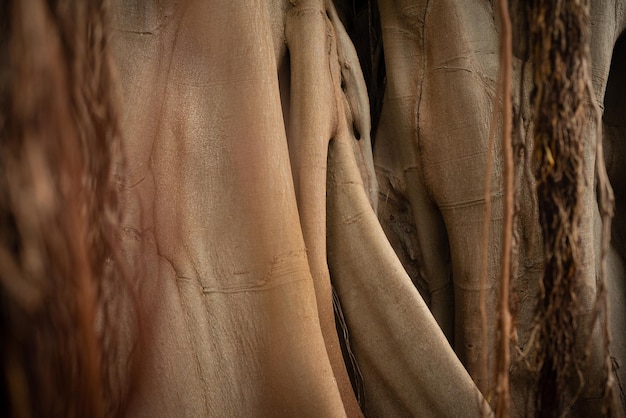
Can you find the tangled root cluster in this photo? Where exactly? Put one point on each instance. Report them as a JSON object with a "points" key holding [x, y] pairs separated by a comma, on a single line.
{"points": [[560, 40], [58, 208]]}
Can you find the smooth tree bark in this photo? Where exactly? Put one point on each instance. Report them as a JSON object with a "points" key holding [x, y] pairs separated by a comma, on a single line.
{"points": [[224, 193], [212, 227], [225, 217]]}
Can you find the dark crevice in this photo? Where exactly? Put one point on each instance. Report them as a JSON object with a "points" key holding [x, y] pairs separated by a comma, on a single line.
{"points": [[352, 366], [355, 131], [361, 19], [614, 140]]}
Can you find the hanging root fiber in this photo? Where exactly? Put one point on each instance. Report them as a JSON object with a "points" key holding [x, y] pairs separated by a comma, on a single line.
{"points": [[504, 311], [58, 210], [560, 47]]}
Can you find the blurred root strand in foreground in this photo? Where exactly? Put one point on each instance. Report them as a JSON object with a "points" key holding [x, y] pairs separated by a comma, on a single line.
{"points": [[58, 210]]}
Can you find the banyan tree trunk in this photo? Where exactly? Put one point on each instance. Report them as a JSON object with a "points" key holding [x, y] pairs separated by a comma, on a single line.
{"points": [[189, 221]]}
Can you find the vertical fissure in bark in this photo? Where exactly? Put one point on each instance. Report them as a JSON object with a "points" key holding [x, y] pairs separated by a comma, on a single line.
{"points": [[560, 47], [352, 366], [606, 205]]}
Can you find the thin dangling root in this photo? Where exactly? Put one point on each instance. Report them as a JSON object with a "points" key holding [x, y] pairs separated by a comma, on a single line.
{"points": [[504, 312]]}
